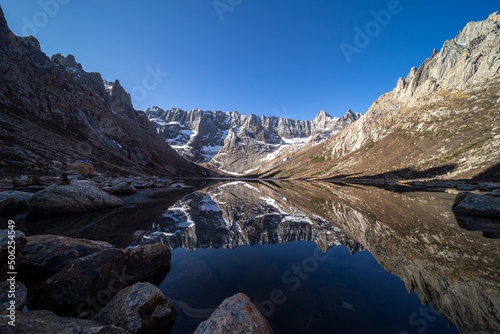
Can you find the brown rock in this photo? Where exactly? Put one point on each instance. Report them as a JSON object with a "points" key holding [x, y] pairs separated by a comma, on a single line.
{"points": [[77, 197], [236, 314], [90, 282], [43, 322]]}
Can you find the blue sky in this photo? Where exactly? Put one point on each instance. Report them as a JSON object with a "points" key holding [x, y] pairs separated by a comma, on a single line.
{"points": [[267, 57]]}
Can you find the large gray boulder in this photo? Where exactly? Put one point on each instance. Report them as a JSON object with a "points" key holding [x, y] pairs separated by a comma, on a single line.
{"points": [[13, 200], [19, 242], [236, 315], [79, 196], [141, 309], [43, 322], [478, 205], [49, 254], [90, 282]]}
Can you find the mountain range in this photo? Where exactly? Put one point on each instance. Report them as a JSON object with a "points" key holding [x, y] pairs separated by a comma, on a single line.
{"points": [[438, 122], [237, 144]]}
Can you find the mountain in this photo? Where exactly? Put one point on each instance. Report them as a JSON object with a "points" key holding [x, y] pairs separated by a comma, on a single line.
{"points": [[52, 112], [238, 144], [439, 121]]}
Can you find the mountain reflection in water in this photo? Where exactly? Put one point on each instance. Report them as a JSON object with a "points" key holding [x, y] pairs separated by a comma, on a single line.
{"points": [[413, 237]]}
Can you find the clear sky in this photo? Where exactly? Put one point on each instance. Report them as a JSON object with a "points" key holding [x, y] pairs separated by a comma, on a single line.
{"points": [[267, 57]]}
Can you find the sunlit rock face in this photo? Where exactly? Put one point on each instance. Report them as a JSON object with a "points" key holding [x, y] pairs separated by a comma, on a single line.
{"points": [[238, 144]]}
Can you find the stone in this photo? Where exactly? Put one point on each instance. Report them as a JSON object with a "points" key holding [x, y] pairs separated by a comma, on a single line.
{"points": [[484, 186], [140, 309], [123, 188], [20, 293], [19, 243], [236, 314], [90, 282], [478, 205], [13, 200], [49, 254], [77, 197], [43, 322]]}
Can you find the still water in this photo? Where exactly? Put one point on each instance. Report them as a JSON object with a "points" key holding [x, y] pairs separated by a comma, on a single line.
{"points": [[326, 258], [315, 257]]}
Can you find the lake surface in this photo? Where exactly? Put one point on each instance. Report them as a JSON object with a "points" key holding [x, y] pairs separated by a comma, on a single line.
{"points": [[315, 257], [328, 258]]}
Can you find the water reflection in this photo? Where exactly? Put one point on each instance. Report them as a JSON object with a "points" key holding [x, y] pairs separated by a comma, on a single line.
{"points": [[416, 238]]}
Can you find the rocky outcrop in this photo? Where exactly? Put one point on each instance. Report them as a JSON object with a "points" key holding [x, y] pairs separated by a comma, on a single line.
{"points": [[478, 205], [18, 290], [79, 196], [438, 121], [71, 116], [42, 322], [45, 255], [13, 200], [140, 309], [91, 282], [19, 242], [123, 188], [239, 144], [236, 314]]}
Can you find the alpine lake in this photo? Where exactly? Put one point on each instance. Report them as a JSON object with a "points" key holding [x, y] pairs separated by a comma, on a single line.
{"points": [[314, 257]]}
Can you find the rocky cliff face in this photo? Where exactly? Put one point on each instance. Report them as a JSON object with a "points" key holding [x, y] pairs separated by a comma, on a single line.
{"points": [[439, 120], [53, 112], [238, 144]]}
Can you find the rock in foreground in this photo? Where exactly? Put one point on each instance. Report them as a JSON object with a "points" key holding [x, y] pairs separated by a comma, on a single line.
{"points": [[52, 253], [236, 315], [477, 205], [43, 322], [91, 282], [140, 309], [13, 200], [77, 197], [21, 294]]}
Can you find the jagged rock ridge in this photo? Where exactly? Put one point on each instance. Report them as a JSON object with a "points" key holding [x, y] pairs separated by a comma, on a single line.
{"points": [[439, 120], [52, 112], [239, 144]]}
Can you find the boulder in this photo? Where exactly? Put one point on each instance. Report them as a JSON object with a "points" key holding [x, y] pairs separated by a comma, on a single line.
{"points": [[485, 186], [77, 197], [20, 294], [13, 200], [43, 322], [45, 255], [123, 188], [478, 205], [90, 282], [236, 314], [140, 309], [19, 242]]}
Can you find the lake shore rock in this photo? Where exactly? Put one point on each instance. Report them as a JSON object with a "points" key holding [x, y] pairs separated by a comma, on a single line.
{"points": [[90, 282], [42, 322], [236, 314], [140, 309], [123, 188], [45, 255], [14, 200], [79, 196], [478, 205]]}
